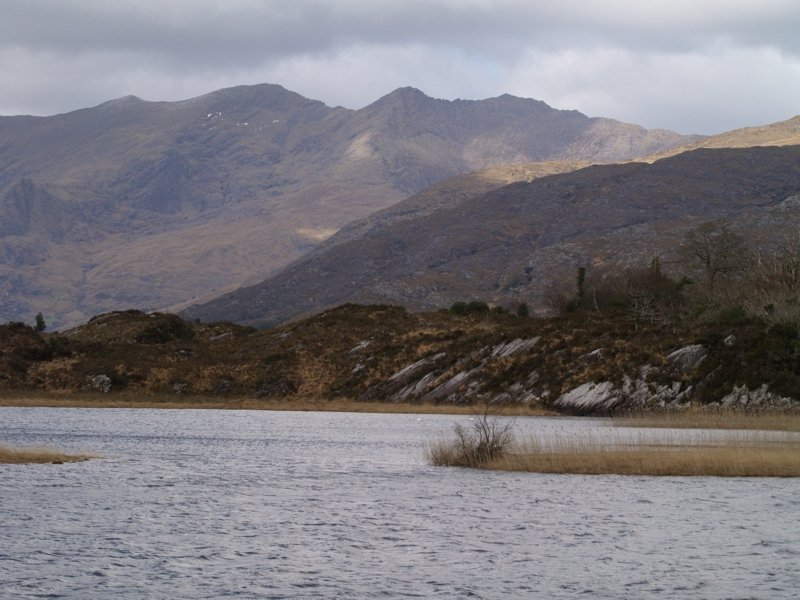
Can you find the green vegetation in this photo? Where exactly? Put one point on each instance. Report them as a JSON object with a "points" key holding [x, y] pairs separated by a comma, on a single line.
{"points": [[468, 308]]}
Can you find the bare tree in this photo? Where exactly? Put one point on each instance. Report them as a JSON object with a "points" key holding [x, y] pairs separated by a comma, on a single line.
{"points": [[715, 250]]}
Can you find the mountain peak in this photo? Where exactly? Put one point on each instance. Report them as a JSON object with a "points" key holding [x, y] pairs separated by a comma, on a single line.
{"points": [[121, 103], [404, 96], [265, 95]]}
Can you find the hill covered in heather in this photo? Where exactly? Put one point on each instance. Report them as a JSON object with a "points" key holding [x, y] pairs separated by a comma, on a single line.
{"points": [[586, 361], [515, 243]]}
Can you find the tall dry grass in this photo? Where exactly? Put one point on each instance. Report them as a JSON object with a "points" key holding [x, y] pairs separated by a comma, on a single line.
{"points": [[734, 457], [713, 419], [605, 451], [19, 456]]}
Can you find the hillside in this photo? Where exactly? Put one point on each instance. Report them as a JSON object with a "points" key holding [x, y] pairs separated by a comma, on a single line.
{"points": [[582, 363], [782, 133], [136, 203], [514, 243]]}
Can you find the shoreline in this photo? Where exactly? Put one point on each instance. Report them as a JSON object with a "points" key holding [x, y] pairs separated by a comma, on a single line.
{"points": [[32, 400]]}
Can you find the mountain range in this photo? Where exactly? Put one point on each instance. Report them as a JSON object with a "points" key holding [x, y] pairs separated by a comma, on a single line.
{"points": [[150, 204]]}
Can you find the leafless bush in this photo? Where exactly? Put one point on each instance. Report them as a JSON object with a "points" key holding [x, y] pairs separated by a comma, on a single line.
{"points": [[486, 439]]}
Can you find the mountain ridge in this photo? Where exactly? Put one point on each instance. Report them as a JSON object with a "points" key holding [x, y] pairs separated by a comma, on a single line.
{"points": [[240, 181]]}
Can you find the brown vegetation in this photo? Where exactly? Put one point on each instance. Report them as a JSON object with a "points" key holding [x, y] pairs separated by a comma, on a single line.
{"points": [[597, 452], [733, 461], [17, 456], [357, 355], [130, 400], [487, 439], [713, 419]]}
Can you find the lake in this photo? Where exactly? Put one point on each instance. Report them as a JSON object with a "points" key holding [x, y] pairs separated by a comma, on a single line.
{"points": [[258, 504]]}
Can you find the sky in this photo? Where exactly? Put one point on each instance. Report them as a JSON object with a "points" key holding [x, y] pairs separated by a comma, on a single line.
{"points": [[693, 66]]}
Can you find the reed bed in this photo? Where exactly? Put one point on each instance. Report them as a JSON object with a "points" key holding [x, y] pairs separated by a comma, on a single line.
{"points": [[19, 456], [735, 458], [606, 451], [713, 419]]}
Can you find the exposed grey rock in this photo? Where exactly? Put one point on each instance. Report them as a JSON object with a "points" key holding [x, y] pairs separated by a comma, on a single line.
{"points": [[407, 372], [590, 397], [414, 390], [641, 393], [98, 383], [504, 398], [730, 340], [359, 346], [448, 387], [688, 358], [593, 355], [513, 347], [743, 397]]}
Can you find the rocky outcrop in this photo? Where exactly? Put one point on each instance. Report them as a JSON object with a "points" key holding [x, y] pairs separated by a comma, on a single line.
{"points": [[385, 354], [687, 358], [589, 398], [98, 383], [761, 398]]}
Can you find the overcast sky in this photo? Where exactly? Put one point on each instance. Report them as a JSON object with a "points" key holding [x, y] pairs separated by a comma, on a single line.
{"points": [[695, 66]]}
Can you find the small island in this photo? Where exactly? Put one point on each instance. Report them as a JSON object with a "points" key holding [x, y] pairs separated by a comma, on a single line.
{"points": [[20, 456]]}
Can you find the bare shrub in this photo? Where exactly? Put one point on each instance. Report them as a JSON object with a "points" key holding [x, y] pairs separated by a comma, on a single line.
{"points": [[487, 439]]}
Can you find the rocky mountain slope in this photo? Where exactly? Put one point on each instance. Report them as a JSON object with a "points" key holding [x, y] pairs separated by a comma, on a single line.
{"points": [[584, 363], [135, 203], [513, 243]]}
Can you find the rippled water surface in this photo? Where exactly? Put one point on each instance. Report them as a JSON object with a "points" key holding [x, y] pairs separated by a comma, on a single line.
{"points": [[246, 504]]}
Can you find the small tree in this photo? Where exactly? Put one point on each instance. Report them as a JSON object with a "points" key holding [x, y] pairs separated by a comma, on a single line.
{"points": [[40, 324], [716, 251], [522, 310], [581, 284]]}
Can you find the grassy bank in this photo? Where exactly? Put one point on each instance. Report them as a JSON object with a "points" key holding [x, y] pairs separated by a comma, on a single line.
{"points": [[19, 456], [130, 400], [709, 419]]}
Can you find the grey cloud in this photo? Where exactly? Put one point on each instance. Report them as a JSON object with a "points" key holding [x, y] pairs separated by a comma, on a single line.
{"points": [[57, 55], [250, 31]]}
